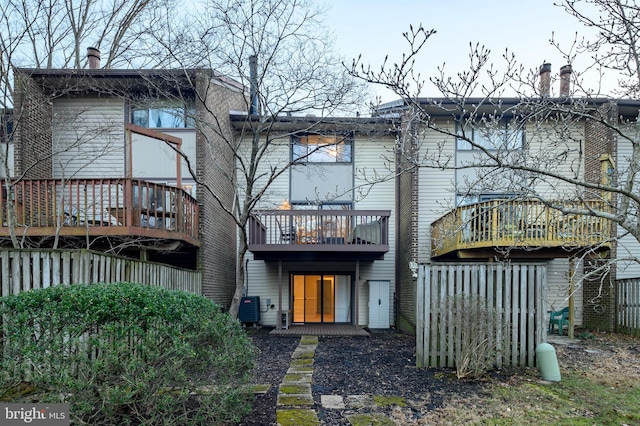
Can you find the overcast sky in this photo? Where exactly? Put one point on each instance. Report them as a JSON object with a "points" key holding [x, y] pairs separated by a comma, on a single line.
{"points": [[374, 28]]}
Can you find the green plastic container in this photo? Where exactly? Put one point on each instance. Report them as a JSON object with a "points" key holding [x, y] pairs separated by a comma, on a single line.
{"points": [[548, 362]]}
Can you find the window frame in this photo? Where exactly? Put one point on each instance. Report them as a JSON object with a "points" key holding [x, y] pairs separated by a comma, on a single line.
{"points": [[184, 112], [301, 154], [478, 138]]}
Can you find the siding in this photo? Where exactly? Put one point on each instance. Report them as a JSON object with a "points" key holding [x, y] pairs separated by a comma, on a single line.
{"points": [[628, 246], [369, 155], [436, 196], [155, 160], [557, 290], [437, 191], [558, 152], [88, 138]]}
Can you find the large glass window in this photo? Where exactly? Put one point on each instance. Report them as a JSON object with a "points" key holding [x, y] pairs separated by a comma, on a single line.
{"points": [[322, 148], [503, 135], [167, 114]]}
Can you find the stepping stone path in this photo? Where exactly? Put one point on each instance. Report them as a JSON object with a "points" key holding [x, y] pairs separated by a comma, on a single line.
{"points": [[295, 401], [295, 406]]}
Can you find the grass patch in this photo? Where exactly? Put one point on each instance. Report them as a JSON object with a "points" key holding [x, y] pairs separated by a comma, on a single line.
{"points": [[579, 399], [295, 389], [304, 355], [300, 362], [309, 340], [297, 417], [386, 401], [295, 400]]}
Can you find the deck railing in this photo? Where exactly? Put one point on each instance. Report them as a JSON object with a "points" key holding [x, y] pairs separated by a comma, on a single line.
{"points": [[98, 203], [518, 223], [319, 227]]}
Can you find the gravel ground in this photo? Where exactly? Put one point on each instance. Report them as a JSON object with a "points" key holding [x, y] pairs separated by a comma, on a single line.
{"points": [[384, 364]]}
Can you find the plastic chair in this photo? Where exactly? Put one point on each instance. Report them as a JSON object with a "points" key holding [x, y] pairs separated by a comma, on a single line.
{"points": [[559, 318]]}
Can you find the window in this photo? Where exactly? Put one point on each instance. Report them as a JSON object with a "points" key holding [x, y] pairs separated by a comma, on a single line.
{"points": [[504, 135], [322, 149], [164, 115]]}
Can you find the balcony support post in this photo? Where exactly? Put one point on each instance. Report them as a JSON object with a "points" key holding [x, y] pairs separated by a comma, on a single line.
{"points": [[279, 319]]}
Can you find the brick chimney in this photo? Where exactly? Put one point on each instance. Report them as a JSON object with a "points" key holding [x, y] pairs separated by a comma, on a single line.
{"points": [[93, 55], [545, 80], [565, 81]]}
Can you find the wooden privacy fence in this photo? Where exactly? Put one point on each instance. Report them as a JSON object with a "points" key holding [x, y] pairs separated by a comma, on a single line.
{"points": [[24, 270], [628, 306], [512, 294]]}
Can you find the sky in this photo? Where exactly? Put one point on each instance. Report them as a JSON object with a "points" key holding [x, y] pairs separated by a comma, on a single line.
{"points": [[373, 28]]}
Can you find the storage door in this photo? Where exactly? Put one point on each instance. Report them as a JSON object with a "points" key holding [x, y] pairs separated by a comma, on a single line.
{"points": [[379, 304]]}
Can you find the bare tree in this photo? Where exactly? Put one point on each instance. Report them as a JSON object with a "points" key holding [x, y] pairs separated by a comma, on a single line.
{"points": [[554, 165], [281, 52]]}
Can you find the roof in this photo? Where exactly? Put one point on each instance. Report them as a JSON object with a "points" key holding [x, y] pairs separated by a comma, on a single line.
{"points": [[309, 123], [127, 77], [440, 106]]}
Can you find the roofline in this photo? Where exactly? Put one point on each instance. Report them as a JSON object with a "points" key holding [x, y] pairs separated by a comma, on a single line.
{"points": [[126, 73], [295, 123], [401, 104]]}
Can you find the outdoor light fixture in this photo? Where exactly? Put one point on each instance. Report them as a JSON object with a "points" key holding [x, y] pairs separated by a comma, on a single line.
{"points": [[414, 269]]}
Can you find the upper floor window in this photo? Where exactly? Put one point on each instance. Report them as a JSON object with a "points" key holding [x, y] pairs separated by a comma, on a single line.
{"points": [[167, 114], [322, 148], [505, 135]]}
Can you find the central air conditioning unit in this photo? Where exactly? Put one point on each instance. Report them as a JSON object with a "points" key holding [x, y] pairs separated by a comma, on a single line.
{"points": [[249, 309]]}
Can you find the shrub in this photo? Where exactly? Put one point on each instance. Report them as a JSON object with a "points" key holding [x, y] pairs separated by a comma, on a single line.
{"points": [[480, 335], [125, 354]]}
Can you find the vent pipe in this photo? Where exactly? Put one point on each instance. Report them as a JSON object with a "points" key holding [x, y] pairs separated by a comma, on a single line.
{"points": [[253, 82]]}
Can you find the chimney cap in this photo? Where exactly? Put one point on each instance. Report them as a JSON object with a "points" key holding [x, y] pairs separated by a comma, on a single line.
{"points": [[565, 69], [93, 55], [545, 67]]}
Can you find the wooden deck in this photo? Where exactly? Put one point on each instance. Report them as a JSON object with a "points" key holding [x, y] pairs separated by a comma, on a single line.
{"points": [[322, 330], [320, 235], [519, 227], [127, 208]]}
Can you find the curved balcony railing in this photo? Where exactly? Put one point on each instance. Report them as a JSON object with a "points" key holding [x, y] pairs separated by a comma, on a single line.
{"points": [[518, 224], [95, 207]]}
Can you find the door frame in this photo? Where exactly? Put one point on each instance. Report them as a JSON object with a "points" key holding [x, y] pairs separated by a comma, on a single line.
{"points": [[352, 290]]}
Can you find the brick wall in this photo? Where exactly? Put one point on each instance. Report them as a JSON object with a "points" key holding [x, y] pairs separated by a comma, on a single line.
{"points": [[215, 166], [33, 120], [407, 234], [598, 290]]}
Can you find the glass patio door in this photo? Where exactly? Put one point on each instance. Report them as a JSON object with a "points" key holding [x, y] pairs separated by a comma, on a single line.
{"points": [[321, 298]]}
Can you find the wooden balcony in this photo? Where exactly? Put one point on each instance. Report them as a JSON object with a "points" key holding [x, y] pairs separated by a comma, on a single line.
{"points": [[132, 209], [518, 229], [332, 235]]}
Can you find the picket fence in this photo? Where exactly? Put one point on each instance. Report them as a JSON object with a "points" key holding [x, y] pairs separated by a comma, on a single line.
{"points": [[628, 306], [513, 294], [24, 270]]}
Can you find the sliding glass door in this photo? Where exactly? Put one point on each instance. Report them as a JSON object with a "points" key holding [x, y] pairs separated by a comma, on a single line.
{"points": [[321, 298]]}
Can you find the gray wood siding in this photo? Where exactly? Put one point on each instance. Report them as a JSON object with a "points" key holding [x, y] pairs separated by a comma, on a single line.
{"points": [[628, 247], [88, 138]]}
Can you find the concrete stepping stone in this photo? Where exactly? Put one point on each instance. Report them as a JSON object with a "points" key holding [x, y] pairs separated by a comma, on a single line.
{"points": [[300, 400], [297, 417], [334, 402]]}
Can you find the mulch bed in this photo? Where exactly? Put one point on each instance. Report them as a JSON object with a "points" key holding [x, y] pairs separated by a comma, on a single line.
{"points": [[382, 364]]}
